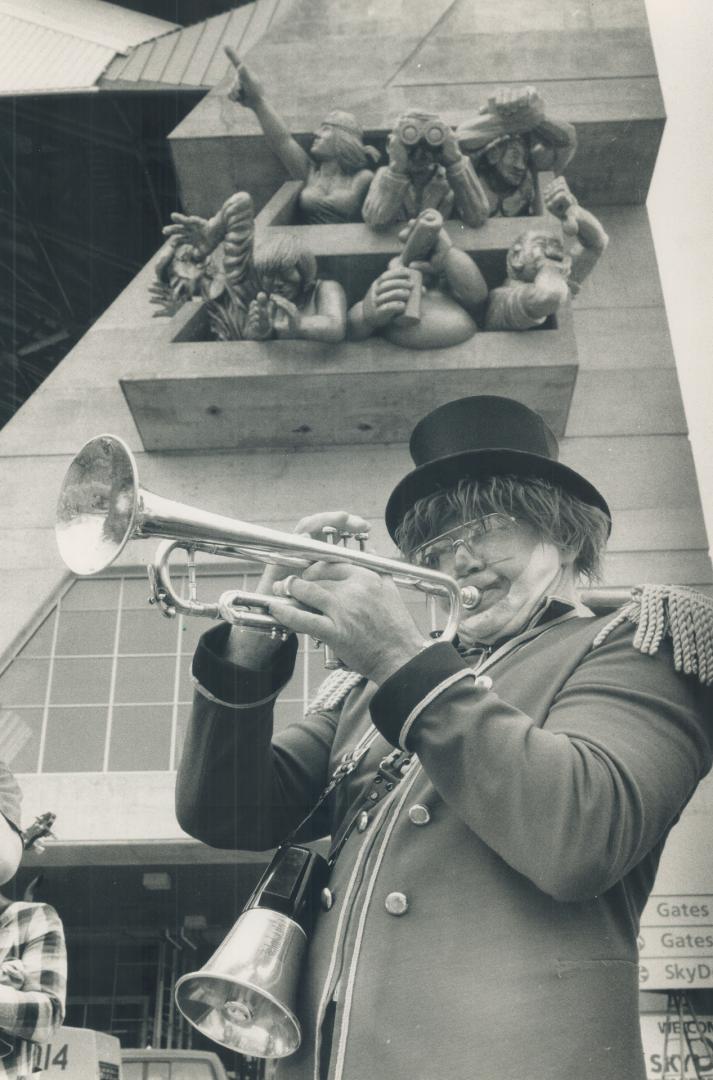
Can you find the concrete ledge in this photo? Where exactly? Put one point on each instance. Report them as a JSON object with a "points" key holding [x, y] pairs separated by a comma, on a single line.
{"points": [[240, 395]]}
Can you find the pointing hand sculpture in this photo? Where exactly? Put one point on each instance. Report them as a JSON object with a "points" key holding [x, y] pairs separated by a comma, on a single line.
{"points": [[509, 141], [335, 172], [541, 273]]}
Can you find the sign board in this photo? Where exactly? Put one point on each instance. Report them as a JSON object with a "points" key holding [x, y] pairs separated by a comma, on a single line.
{"points": [[80, 1054], [676, 943], [699, 1054]]}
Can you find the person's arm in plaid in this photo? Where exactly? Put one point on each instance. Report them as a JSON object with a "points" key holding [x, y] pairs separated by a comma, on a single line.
{"points": [[35, 1012]]}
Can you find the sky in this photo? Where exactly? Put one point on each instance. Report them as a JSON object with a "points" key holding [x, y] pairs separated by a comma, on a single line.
{"points": [[680, 206]]}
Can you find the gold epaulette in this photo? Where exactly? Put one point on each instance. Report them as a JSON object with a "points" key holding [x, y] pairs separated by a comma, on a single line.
{"points": [[334, 690], [674, 611]]}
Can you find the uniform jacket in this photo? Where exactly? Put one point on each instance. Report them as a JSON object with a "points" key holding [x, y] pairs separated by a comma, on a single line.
{"points": [[486, 907]]}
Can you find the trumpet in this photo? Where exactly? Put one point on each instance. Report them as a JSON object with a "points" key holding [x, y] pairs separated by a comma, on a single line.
{"points": [[102, 506]]}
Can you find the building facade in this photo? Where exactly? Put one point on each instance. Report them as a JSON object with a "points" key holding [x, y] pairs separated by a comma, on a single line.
{"points": [[95, 685]]}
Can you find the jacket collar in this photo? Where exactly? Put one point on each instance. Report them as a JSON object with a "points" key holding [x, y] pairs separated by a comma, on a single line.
{"points": [[552, 609]]}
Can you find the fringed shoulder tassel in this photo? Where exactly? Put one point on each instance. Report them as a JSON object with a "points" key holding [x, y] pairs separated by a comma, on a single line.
{"points": [[334, 690], [677, 612]]}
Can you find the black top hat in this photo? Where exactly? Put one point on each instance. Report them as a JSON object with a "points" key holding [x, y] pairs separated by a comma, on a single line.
{"points": [[477, 437]]}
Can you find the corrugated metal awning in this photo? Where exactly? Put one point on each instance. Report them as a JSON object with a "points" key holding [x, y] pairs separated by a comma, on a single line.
{"points": [[191, 58], [61, 45]]}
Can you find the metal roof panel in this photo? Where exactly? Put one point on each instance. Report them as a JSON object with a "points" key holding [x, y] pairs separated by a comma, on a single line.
{"points": [[96, 21], [36, 58], [192, 57], [206, 49], [233, 34]]}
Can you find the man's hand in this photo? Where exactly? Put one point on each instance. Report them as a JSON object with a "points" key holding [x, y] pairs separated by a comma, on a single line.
{"points": [[312, 526], [397, 153], [246, 88], [518, 109], [388, 296], [254, 649], [357, 612], [560, 201]]}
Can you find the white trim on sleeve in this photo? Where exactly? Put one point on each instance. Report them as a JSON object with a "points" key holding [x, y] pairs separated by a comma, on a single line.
{"points": [[430, 696], [229, 704]]}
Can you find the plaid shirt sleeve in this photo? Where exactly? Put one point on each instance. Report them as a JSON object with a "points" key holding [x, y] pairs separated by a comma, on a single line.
{"points": [[36, 1011]]}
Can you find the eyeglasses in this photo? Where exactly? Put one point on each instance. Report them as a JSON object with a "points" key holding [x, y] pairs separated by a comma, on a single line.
{"points": [[434, 552]]}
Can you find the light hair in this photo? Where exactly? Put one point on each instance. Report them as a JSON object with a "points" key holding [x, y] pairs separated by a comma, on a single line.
{"points": [[350, 151], [283, 253], [556, 516]]}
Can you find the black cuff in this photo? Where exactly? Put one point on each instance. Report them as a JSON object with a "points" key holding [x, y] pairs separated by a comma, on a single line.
{"points": [[396, 699], [236, 685]]}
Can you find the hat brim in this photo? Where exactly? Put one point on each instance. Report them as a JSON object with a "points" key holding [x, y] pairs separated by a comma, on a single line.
{"points": [[446, 471]]}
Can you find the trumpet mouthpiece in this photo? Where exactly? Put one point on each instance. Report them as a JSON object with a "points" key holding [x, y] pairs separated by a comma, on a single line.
{"points": [[470, 597]]}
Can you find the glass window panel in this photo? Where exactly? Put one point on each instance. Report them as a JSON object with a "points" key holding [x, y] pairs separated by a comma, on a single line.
{"points": [[147, 632], [140, 737], [145, 678], [191, 629], [286, 712], [185, 681], [135, 593], [20, 738], [80, 682], [182, 717], [75, 740], [24, 682], [93, 595], [83, 633], [40, 644]]}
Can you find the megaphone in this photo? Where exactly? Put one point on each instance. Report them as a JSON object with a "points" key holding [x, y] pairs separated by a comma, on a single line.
{"points": [[244, 997]]}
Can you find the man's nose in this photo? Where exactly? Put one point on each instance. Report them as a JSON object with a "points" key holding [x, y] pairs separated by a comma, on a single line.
{"points": [[464, 559]]}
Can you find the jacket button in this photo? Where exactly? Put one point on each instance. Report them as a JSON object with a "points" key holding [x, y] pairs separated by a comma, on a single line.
{"points": [[419, 814], [326, 899], [484, 682], [362, 821], [396, 903]]}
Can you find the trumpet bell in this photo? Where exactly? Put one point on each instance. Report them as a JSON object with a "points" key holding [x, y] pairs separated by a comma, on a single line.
{"points": [[243, 997], [97, 505]]}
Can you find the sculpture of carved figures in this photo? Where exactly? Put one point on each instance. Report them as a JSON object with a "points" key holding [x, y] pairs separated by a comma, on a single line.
{"points": [[426, 170], [181, 273], [541, 272], [335, 172], [509, 141], [271, 291], [429, 296]]}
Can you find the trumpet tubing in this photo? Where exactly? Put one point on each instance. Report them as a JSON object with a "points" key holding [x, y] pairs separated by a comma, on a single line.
{"points": [[101, 507]]}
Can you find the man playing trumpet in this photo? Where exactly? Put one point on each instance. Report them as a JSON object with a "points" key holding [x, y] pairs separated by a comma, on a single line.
{"points": [[508, 794]]}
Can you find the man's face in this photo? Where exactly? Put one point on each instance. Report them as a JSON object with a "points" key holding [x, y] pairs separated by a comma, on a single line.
{"points": [[538, 248], [513, 569], [512, 163]]}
